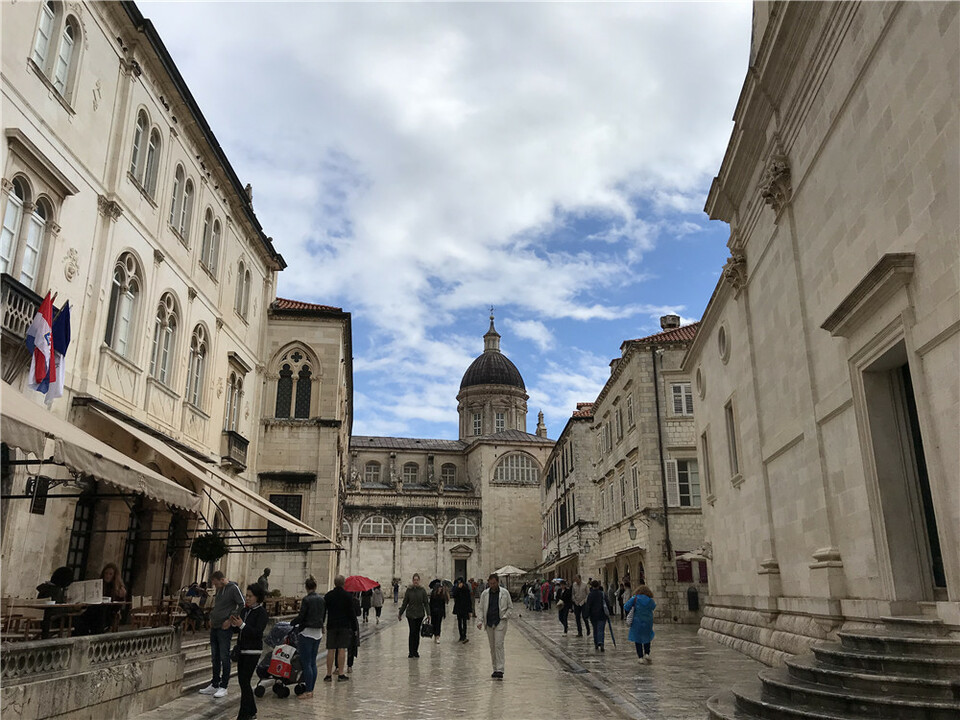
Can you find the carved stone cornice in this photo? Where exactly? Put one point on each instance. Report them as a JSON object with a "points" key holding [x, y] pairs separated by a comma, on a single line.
{"points": [[775, 184], [735, 272], [109, 208]]}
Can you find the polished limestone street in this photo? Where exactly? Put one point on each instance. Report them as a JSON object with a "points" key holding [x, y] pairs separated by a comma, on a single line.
{"points": [[547, 675]]}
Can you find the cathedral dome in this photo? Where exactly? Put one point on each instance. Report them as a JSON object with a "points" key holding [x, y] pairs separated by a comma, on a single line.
{"points": [[492, 367]]}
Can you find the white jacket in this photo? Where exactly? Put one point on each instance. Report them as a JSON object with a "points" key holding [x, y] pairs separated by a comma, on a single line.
{"points": [[506, 605]]}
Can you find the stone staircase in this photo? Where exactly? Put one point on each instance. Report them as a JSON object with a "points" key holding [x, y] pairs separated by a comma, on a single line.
{"points": [[908, 669], [196, 661]]}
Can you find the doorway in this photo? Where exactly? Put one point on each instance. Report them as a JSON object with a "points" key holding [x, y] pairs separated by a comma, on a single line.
{"points": [[460, 568], [908, 510]]}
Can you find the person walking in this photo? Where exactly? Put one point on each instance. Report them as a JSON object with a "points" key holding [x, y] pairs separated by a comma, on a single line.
{"points": [[579, 592], [249, 624], [597, 610], [309, 623], [340, 620], [641, 629], [462, 607], [545, 595], [564, 602], [496, 607], [376, 599], [366, 599], [396, 590], [264, 581], [227, 602], [416, 605], [438, 609], [621, 598]]}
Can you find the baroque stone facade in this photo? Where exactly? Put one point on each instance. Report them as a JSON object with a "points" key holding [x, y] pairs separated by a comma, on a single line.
{"points": [[450, 508], [828, 416]]}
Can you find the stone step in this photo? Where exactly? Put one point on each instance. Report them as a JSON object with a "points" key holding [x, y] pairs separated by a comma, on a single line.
{"points": [[783, 689], [834, 654], [916, 625], [195, 679], [751, 703], [883, 642], [806, 669]]}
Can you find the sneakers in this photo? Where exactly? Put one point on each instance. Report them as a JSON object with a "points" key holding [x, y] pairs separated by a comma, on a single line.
{"points": [[341, 678], [221, 692], [647, 659], [497, 675], [436, 639], [328, 679], [209, 689]]}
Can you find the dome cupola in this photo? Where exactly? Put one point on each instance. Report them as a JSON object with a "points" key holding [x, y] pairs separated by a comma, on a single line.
{"points": [[492, 367]]}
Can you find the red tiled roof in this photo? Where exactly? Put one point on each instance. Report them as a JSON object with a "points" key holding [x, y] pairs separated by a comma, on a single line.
{"points": [[284, 304], [685, 333], [584, 410]]}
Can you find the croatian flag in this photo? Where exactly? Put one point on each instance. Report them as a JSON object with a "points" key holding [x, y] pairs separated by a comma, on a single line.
{"points": [[47, 341]]}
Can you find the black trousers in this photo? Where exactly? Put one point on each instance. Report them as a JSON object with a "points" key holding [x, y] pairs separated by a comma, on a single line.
{"points": [[414, 624], [245, 667], [577, 614], [462, 622], [437, 620], [564, 614], [642, 648]]}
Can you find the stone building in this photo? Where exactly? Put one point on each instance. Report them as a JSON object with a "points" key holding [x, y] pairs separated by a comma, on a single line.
{"points": [[826, 361], [646, 473], [118, 198], [450, 508], [569, 501]]}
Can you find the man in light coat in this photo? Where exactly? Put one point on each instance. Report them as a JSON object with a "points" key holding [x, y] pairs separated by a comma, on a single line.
{"points": [[496, 608], [580, 591]]}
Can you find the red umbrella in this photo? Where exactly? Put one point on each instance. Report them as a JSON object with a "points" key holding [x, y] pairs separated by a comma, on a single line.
{"points": [[359, 583]]}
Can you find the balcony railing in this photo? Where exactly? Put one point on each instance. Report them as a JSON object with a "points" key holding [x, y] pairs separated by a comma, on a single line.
{"points": [[19, 305], [233, 449]]}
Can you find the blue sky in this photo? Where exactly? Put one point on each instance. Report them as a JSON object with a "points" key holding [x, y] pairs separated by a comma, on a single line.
{"points": [[417, 163]]}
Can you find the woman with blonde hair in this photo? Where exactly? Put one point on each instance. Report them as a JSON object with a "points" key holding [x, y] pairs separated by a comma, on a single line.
{"points": [[642, 605]]}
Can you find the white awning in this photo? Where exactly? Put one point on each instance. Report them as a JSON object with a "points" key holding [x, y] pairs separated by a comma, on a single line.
{"points": [[26, 425], [215, 480]]}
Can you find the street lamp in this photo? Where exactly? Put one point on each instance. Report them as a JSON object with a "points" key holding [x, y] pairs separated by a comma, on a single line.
{"points": [[586, 547], [632, 530]]}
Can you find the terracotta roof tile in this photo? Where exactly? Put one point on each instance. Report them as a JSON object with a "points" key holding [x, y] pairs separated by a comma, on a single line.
{"points": [[685, 333], [584, 410], [284, 304]]}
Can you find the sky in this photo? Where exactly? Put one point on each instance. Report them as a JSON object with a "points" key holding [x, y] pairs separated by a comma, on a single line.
{"points": [[417, 164]]}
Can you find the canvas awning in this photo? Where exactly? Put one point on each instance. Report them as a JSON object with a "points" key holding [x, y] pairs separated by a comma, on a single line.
{"points": [[26, 425], [215, 480]]}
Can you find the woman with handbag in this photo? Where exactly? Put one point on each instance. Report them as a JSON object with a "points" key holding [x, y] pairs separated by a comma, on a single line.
{"points": [[416, 605], [640, 611], [249, 625]]}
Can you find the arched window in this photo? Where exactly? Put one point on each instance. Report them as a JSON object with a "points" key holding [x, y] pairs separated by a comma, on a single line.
{"points": [[345, 529], [243, 279], [461, 527], [371, 472], [303, 393], [419, 526], [177, 200], [284, 392], [186, 211], [139, 146], [376, 526], [234, 399], [124, 294], [448, 474], [198, 366], [33, 244], [41, 45], [149, 180], [12, 219], [411, 473], [63, 69], [164, 338], [517, 468]]}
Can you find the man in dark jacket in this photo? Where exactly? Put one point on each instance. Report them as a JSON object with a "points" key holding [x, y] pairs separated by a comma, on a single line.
{"points": [[340, 619], [462, 607], [564, 601], [309, 623]]}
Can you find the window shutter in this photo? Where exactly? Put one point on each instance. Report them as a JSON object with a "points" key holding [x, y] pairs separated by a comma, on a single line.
{"points": [[43, 38], [673, 485], [63, 61], [688, 398], [703, 571], [677, 399]]}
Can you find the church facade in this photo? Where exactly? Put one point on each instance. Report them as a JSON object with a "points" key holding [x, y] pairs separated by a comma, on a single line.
{"points": [[451, 508]]}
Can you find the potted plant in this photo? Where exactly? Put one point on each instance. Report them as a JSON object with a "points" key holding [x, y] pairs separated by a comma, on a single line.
{"points": [[208, 547]]}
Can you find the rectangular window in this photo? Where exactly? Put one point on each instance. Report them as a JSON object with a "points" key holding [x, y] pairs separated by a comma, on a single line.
{"points": [[688, 483], [610, 501], [732, 439], [31, 252], [684, 568], [603, 505], [635, 478], [705, 457], [501, 422], [80, 535], [292, 504], [702, 564], [619, 421], [630, 418], [477, 424], [599, 444], [623, 496], [682, 398]]}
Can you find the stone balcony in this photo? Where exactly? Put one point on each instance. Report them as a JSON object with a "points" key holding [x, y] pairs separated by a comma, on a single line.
{"points": [[408, 500], [19, 305], [233, 449]]}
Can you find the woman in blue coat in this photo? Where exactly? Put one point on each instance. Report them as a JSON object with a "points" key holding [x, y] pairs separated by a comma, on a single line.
{"points": [[641, 629]]}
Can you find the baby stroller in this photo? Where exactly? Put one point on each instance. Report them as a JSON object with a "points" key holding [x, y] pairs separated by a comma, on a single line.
{"points": [[280, 667]]}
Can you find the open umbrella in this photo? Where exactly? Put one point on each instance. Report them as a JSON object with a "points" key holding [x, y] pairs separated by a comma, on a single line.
{"points": [[359, 583]]}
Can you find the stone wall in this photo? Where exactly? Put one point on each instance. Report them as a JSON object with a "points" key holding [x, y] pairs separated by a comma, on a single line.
{"points": [[103, 676]]}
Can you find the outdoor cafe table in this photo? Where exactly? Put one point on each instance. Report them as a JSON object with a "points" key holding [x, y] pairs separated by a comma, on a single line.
{"points": [[72, 609]]}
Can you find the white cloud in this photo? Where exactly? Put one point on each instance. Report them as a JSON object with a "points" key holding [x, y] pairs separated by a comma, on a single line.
{"points": [[532, 330]]}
